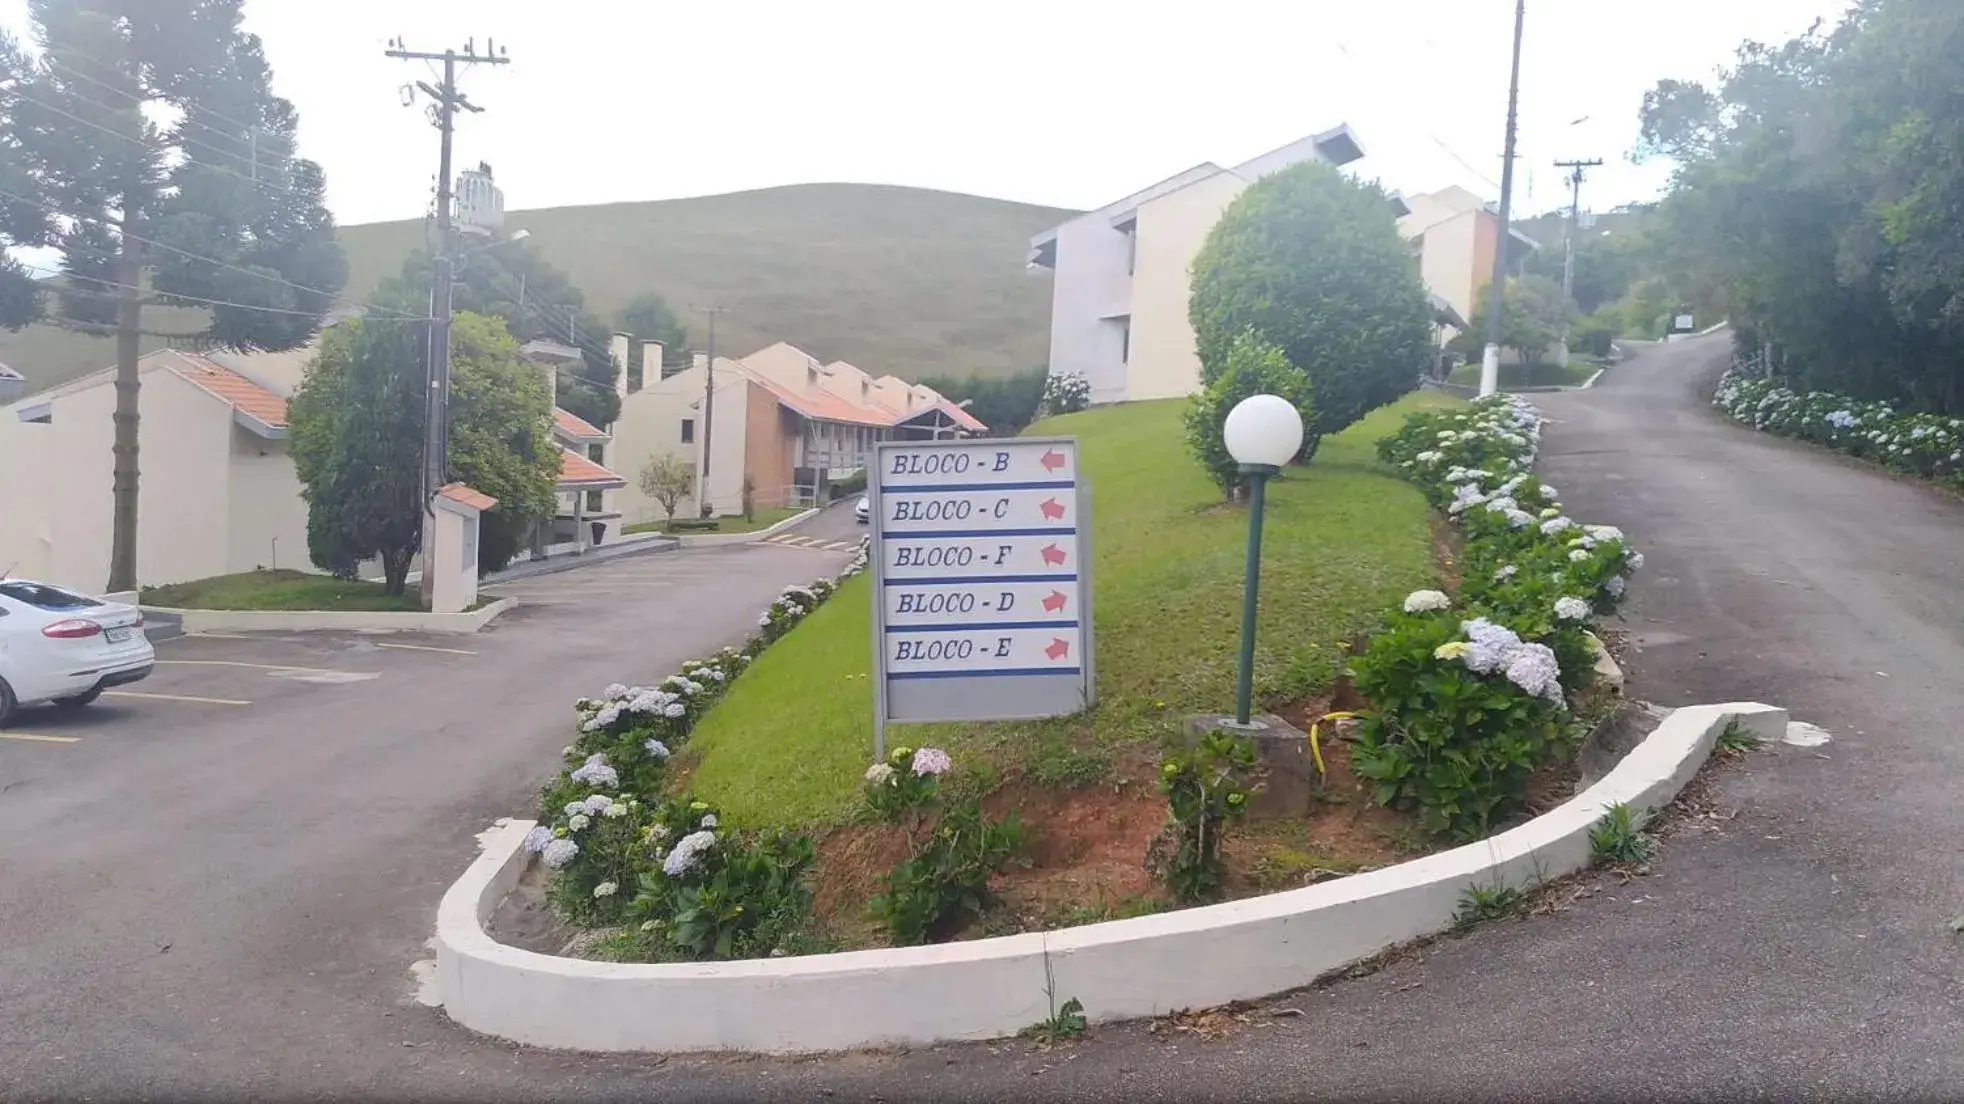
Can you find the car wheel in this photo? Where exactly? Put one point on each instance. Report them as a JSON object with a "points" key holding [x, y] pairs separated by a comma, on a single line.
{"points": [[7, 701], [87, 697]]}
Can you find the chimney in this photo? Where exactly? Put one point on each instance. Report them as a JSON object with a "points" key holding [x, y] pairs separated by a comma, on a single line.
{"points": [[617, 352], [552, 382], [650, 363], [700, 360]]}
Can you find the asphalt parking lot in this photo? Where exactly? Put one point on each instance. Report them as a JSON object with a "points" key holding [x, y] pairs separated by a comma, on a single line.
{"points": [[217, 880]]}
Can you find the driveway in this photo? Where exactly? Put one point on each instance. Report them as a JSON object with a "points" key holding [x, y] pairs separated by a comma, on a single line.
{"points": [[1795, 950], [218, 887]]}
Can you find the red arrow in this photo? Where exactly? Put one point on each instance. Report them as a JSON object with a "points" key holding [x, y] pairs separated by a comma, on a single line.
{"points": [[1052, 460], [1058, 648], [1053, 555], [1054, 602], [1052, 509]]}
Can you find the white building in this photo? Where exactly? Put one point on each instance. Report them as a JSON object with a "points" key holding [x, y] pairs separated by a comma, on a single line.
{"points": [[1118, 311]]}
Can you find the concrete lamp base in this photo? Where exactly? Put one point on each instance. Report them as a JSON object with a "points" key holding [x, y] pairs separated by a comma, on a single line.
{"points": [[1290, 782]]}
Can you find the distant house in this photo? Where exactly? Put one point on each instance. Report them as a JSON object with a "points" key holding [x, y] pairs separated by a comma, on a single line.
{"points": [[1454, 234], [219, 493], [1118, 314], [12, 384], [788, 424]]}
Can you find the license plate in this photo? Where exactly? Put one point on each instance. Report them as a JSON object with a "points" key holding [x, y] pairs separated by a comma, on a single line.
{"points": [[118, 636]]}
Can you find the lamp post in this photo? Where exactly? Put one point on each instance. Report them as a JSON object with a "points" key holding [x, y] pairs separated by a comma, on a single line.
{"points": [[1262, 433]]}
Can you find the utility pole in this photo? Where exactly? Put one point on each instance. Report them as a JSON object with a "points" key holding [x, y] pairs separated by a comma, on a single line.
{"points": [[1490, 362], [436, 427], [708, 409], [1568, 240]]}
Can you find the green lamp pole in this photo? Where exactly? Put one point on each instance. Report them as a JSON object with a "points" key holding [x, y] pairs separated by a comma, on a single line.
{"points": [[1262, 433]]}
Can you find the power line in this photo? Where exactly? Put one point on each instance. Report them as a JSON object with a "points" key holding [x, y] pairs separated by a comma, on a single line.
{"points": [[1436, 140], [53, 62], [97, 281], [197, 257]]}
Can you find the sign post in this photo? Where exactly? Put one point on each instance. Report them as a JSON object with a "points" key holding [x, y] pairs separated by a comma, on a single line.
{"points": [[981, 564]]}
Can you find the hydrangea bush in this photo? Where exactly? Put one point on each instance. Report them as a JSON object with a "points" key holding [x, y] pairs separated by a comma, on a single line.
{"points": [[1470, 693], [952, 855], [1929, 446], [616, 847]]}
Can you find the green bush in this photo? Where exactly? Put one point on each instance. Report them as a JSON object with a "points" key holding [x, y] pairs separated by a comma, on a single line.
{"points": [[1065, 393], [1206, 787], [1254, 367], [713, 893], [945, 883], [1311, 261]]}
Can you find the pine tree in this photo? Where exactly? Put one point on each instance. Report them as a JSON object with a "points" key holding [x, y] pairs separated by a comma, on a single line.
{"points": [[212, 210]]}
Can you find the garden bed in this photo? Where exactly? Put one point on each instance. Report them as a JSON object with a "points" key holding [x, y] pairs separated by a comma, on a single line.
{"points": [[281, 589]]}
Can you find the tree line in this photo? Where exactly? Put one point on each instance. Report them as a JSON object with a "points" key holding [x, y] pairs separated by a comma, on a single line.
{"points": [[1816, 198]]}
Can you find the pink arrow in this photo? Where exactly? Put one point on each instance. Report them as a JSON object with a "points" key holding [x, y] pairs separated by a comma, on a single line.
{"points": [[1053, 555], [1058, 648], [1051, 460], [1054, 601], [1052, 509]]}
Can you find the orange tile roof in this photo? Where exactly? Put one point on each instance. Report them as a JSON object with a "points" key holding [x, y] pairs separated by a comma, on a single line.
{"points": [[572, 425], [824, 405], [467, 496], [578, 471], [242, 393]]}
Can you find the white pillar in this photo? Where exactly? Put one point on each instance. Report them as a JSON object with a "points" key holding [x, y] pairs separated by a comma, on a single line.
{"points": [[1490, 370]]}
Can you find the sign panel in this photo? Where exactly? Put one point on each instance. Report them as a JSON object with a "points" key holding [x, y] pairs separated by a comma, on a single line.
{"points": [[981, 603]]}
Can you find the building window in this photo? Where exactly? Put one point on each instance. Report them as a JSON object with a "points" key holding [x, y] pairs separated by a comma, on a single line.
{"points": [[688, 431], [593, 504], [597, 453], [1125, 341], [1132, 250]]}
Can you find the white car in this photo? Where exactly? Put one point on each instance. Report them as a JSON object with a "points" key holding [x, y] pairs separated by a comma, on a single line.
{"points": [[861, 511], [66, 648]]}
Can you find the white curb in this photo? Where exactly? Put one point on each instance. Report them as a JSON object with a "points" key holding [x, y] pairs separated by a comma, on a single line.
{"points": [[988, 988], [710, 540], [202, 620]]}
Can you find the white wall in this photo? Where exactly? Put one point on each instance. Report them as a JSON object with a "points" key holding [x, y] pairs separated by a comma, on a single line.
{"points": [[268, 516], [1091, 283], [184, 456], [1171, 231], [27, 498]]}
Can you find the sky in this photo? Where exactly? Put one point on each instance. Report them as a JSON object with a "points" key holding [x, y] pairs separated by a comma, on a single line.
{"points": [[1068, 103]]}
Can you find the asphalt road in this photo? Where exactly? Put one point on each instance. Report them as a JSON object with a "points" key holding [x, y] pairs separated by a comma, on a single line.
{"points": [[1795, 951]]}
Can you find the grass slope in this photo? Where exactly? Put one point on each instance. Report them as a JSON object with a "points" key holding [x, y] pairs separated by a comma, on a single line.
{"points": [[278, 590], [1345, 541], [901, 280]]}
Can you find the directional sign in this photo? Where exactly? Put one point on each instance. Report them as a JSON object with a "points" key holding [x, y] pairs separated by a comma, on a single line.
{"points": [[981, 606]]}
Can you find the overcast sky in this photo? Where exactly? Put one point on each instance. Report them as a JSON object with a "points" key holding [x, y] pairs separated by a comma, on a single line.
{"points": [[1070, 103]]}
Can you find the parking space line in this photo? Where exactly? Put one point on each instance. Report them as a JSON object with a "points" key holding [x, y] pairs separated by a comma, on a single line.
{"points": [[173, 697], [40, 739], [252, 666], [219, 636], [426, 648]]}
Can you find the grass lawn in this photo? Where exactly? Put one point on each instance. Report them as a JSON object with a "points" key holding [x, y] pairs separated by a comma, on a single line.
{"points": [[1345, 541], [1528, 375], [278, 590], [764, 518]]}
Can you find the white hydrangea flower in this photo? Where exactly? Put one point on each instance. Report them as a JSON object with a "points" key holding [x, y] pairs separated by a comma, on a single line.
{"points": [[1578, 555], [1571, 609], [683, 858], [615, 811], [614, 690], [1615, 586], [1426, 601], [558, 853], [1634, 558], [1533, 668], [596, 772], [577, 822], [574, 808], [1556, 525], [1519, 519], [598, 803], [655, 748], [1548, 492], [708, 821], [674, 709], [932, 761], [1603, 532], [1493, 645], [879, 774], [1507, 571], [537, 838], [605, 889]]}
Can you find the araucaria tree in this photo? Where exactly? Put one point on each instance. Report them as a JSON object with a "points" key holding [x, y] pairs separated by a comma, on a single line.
{"points": [[1311, 261], [143, 143]]}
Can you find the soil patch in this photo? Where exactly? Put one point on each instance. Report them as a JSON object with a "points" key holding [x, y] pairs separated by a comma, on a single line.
{"points": [[525, 918]]}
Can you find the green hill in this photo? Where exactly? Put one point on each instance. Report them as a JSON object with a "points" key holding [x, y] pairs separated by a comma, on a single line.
{"points": [[901, 280]]}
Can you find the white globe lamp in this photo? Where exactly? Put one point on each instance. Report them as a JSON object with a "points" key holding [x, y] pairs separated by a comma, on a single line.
{"points": [[1263, 431]]}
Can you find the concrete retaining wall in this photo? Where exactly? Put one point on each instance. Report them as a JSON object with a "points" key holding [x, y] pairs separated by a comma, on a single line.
{"points": [[198, 620], [710, 540], [986, 988]]}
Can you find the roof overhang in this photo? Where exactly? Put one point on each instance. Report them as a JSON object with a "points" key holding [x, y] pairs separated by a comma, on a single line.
{"points": [[1043, 250], [39, 412], [1444, 314], [595, 484], [259, 427], [1399, 208], [1339, 145]]}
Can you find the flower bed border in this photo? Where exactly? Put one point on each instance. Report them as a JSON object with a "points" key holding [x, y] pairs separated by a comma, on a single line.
{"points": [[209, 620], [987, 988]]}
